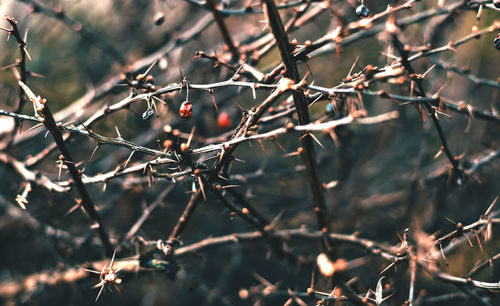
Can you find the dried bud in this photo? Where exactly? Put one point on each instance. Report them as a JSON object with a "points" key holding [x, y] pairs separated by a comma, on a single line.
{"points": [[34, 8], [325, 265], [340, 264], [59, 11], [184, 147], [167, 143], [243, 294], [167, 128], [77, 27]]}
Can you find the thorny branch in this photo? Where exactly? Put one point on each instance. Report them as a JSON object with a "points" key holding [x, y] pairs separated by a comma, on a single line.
{"points": [[21, 64], [86, 201], [299, 98]]}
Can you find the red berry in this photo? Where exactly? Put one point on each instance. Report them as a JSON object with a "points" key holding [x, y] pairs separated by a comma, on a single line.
{"points": [[224, 121], [186, 110]]}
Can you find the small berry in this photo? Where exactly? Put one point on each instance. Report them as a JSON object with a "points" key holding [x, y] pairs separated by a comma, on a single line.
{"points": [[186, 110], [224, 121], [159, 18], [147, 114], [496, 42], [330, 108], [362, 11]]}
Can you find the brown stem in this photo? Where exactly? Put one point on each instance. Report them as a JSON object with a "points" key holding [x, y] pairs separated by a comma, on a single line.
{"points": [[223, 29], [186, 216], [420, 85], [23, 75], [87, 203], [300, 102]]}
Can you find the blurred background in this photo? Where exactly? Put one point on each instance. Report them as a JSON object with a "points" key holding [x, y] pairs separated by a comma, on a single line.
{"points": [[388, 179]]}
